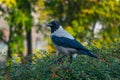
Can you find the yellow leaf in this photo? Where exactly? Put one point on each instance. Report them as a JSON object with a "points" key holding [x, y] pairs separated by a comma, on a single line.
{"points": [[54, 75], [6, 76], [9, 3], [88, 11]]}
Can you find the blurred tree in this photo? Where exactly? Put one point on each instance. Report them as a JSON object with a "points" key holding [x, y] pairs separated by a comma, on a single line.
{"points": [[83, 16], [25, 8], [20, 22]]}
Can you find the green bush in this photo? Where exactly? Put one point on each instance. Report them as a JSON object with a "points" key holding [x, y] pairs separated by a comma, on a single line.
{"points": [[107, 67]]}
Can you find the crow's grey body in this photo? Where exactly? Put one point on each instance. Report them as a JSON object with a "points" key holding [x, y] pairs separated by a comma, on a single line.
{"points": [[62, 33]]}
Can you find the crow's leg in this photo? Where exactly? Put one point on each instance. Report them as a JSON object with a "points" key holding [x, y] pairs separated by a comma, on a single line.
{"points": [[70, 59], [57, 60]]}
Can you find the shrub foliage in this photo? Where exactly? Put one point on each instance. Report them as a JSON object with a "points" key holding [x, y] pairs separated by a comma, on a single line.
{"points": [[107, 67]]}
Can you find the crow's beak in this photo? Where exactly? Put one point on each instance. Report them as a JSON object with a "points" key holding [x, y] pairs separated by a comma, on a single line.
{"points": [[48, 25]]}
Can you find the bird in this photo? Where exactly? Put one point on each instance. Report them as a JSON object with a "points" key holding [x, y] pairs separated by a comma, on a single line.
{"points": [[65, 43]]}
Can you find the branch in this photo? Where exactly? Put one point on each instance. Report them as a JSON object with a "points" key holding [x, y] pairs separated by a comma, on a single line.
{"points": [[6, 42]]}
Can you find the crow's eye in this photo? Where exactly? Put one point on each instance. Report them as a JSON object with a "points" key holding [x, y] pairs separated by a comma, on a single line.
{"points": [[53, 23]]}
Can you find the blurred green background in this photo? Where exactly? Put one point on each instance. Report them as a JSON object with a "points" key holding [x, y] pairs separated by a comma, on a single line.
{"points": [[87, 20], [92, 22]]}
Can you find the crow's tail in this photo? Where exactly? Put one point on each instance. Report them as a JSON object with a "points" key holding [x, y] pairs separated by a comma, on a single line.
{"points": [[89, 53], [92, 55]]}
